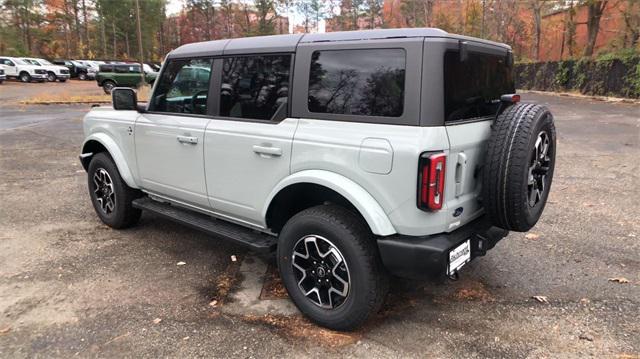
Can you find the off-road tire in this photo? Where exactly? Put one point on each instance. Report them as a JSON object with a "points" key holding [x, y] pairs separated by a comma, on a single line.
{"points": [[123, 215], [368, 280], [506, 171], [107, 86], [25, 77]]}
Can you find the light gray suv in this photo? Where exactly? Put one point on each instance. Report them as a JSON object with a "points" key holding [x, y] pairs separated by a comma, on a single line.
{"points": [[352, 155]]}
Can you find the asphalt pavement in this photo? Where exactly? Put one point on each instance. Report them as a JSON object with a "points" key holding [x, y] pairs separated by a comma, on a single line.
{"points": [[70, 286]]}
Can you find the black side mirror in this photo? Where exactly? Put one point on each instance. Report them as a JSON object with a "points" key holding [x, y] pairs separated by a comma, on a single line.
{"points": [[124, 98]]}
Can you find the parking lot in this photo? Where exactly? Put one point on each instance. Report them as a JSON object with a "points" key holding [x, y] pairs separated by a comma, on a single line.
{"points": [[70, 285]]}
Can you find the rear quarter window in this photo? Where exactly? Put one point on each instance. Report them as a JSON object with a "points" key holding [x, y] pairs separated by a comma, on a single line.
{"points": [[365, 82]]}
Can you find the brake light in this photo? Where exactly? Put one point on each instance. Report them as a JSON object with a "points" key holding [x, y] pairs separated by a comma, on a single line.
{"points": [[431, 181]]}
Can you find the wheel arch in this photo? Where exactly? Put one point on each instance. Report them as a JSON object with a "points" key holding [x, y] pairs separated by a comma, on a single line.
{"points": [[101, 142], [313, 187]]}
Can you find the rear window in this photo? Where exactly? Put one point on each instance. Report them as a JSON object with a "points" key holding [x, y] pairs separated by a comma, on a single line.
{"points": [[472, 88], [358, 82]]}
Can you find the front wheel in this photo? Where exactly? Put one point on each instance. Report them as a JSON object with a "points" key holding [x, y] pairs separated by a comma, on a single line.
{"points": [[25, 77], [107, 86], [111, 197], [82, 76], [330, 266], [51, 77]]}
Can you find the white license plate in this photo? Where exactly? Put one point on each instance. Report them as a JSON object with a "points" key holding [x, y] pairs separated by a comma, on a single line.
{"points": [[459, 256]]}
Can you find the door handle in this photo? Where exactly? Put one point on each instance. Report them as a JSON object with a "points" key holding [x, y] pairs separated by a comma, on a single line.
{"points": [[461, 167], [187, 139], [267, 151]]}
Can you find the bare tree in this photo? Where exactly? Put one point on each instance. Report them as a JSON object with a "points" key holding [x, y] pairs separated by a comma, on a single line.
{"points": [[595, 9]]}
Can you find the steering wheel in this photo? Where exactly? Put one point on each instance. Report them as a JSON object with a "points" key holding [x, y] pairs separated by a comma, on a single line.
{"points": [[194, 98]]}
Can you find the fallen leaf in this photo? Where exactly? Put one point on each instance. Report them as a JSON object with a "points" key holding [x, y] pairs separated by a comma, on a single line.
{"points": [[532, 236], [213, 303], [185, 338], [5, 330], [157, 320], [181, 263], [541, 298], [620, 280], [233, 258], [586, 337]]}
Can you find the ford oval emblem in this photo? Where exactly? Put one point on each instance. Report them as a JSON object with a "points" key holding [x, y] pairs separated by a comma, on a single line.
{"points": [[458, 212]]}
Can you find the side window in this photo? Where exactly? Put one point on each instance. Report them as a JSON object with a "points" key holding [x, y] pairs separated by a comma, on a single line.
{"points": [[183, 87], [120, 69], [358, 82], [255, 87]]}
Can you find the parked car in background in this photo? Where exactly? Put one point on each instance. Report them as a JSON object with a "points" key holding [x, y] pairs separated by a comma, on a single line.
{"points": [[78, 70], [2, 76], [54, 72], [122, 75], [22, 70], [94, 64]]}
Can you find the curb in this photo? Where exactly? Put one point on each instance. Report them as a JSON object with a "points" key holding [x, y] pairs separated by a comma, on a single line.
{"points": [[588, 97]]}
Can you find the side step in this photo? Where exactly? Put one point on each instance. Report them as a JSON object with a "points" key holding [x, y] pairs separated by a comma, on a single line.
{"points": [[254, 240]]}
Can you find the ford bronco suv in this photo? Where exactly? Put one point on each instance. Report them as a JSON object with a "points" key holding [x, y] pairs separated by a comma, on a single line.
{"points": [[122, 75], [352, 155]]}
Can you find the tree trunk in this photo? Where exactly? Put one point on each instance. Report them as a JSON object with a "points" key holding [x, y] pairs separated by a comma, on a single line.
{"points": [[85, 24], [595, 10], [537, 27], [113, 24]]}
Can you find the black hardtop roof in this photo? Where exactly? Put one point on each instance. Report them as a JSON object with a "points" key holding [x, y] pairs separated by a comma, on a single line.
{"points": [[288, 43]]}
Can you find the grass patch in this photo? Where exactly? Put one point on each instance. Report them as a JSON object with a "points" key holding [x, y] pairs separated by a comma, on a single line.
{"points": [[63, 98]]}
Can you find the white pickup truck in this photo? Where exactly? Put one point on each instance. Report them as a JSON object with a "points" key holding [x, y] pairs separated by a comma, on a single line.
{"points": [[352, 155], [22, 70]]}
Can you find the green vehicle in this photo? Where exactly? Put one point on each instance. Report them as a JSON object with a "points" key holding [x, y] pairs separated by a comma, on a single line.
{"points": [[122, 75]]}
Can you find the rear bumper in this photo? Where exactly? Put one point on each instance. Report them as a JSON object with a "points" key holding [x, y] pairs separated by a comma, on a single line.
{"points": [[428, 256]]}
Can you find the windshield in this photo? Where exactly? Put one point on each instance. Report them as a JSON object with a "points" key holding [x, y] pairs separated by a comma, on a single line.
{"points": [[472, 88], [32, 62], [22, 62], [77, 63], [44, 62]]}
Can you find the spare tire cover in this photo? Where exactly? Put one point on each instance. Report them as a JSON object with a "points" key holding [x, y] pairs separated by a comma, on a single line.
{"points": [[518, 167]]}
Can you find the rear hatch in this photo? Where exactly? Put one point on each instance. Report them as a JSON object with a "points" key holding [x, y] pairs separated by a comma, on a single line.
{"points": [[473, 84]]}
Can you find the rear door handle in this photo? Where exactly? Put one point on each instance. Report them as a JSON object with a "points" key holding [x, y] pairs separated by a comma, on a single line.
{"points": [[188, 139], [267, 151], [461, 167]]}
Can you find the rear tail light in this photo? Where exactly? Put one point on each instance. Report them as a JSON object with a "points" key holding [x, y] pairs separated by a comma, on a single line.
{"points": [[431, 181]]}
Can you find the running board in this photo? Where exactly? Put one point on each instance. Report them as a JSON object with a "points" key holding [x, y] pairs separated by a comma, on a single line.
{"points": [[249, 238]]}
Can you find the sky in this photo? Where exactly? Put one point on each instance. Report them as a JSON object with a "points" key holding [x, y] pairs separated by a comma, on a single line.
{"points": [[174, 6]]}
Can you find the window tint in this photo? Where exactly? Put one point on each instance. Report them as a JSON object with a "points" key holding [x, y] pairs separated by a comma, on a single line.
{"points": [[106, 68], [183, 87], [358, 82], [255, 87], [472, 88]]}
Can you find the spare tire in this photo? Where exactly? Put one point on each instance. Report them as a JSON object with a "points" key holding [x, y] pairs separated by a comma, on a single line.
{"points": [[518, 168]]}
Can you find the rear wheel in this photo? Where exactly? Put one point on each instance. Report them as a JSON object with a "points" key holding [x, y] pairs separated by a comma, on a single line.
{"points": [[329, 263], [110, 195], [25, 77], [519, 166]]}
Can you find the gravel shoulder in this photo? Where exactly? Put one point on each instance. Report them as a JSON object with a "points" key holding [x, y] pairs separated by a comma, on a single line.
{"points": [[72, 286]]}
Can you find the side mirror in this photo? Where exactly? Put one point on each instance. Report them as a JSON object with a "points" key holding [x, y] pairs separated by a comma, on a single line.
{"points": [[124, 98]]}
